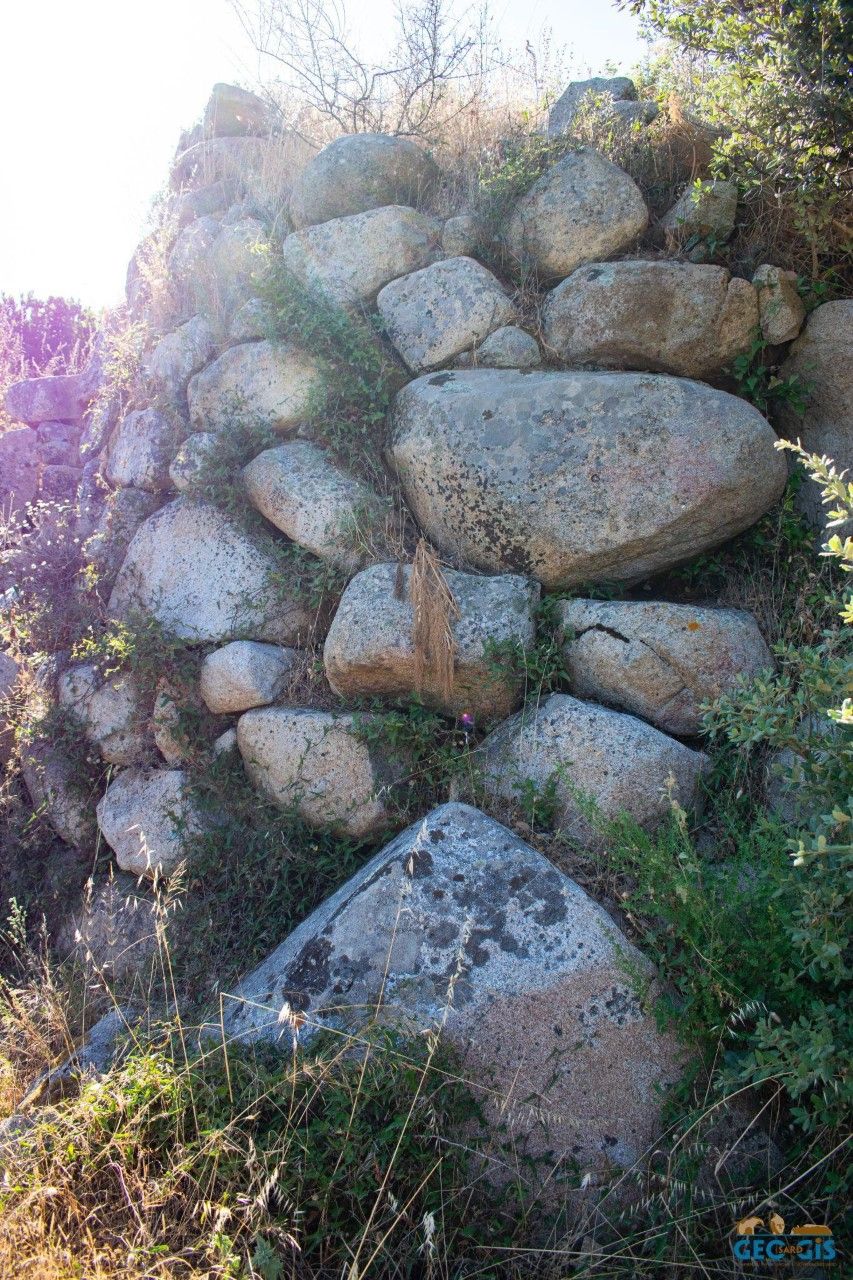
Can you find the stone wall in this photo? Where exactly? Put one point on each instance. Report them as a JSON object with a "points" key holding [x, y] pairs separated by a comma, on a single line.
{"points": [[599, 443]]}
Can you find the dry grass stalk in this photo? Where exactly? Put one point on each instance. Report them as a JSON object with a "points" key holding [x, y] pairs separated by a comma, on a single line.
{"points": [[434, 608]]}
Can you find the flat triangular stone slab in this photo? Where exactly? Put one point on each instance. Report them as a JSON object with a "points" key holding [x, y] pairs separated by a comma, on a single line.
{"points": [[459, 923]]}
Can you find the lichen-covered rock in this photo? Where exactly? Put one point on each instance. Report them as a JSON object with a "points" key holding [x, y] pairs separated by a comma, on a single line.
{"points": [[820, 358], [350, 259], [242, 161], [114, 930], [359, 172], [57, 443], [178, 356], [369, 650], [705, 209], [671, 317], [572, 477], [57, 790], [99, 421], [582, 209], [565, 751], [461, 927], [316, 503], [115, 525], [629, 114], [187, 464], [141, 449], [110, 711], [267, 382], [657, 660], [59, 398], [251, 322], [213, 266], [782, 309], [233, 112], [146, 817], [226, 742], [317, 764], [461, 235], [18, 470], [506, 348], [245, 674], [58, 483], [433, 314], [562, 115], [167, 724], [203, 579], [203, 202]]}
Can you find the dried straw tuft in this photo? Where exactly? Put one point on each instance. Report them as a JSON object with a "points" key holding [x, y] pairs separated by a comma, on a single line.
{"points": [[434, 609]]}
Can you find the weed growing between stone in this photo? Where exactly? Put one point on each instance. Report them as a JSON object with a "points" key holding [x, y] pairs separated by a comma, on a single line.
{"points": [[344, 1160], [359, 375]]}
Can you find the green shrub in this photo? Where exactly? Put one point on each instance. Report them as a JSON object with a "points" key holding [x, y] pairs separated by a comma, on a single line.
{"points": [[774, 78], [359, 378]]}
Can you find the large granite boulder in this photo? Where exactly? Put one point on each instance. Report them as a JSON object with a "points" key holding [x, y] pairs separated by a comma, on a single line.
{"points": [[435, 313], [821, 359], [111, 712], [572, 477], [114, 527], [562, 753], [350, 259], [271, 383], [18, 470], [359, 172], [146, 817], [672, 317], [370, 649], [251, 163], [461, 927], [179, 355], [214, 266], [582, 209], [141, 449], [245, 674], [657, 660], [317, 764], [562, 115], [60, 397], [233, 112], [323, 508], [203, 579]]}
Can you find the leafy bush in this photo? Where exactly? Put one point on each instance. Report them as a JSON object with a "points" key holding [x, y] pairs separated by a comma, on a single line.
{"points": [[775, 78]]}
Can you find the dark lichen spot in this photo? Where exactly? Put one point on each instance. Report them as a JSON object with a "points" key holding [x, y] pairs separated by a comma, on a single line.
{"points": [[421, 864], [436, 835], [487, 414], [309, 972]]}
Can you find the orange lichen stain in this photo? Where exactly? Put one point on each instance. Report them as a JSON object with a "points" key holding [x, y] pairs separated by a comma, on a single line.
{"points": [[694, 626]]}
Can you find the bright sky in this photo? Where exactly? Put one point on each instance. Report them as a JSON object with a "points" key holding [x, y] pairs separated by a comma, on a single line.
{"points": [[93, 95]]}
